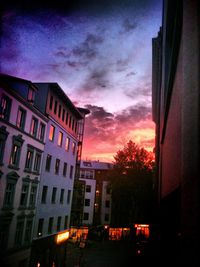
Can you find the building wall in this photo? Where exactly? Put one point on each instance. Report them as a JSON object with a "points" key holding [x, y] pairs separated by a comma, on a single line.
{"points": [[24, 213]]}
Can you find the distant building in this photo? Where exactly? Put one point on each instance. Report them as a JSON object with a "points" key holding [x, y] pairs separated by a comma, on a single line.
{"points": [[97, 196], [176, 112], [22, 139]]}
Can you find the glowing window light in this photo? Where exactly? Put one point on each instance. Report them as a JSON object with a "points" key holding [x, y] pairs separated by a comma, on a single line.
{"points": [[62, 237]]}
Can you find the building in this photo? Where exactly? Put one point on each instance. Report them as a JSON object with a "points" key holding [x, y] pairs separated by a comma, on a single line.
{"points": [[176, 112], [57, 175], [97, 198], [22, 139]]}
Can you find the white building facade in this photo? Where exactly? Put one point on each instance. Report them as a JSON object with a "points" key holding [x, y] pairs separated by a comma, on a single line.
{"points": [[22, 137]]}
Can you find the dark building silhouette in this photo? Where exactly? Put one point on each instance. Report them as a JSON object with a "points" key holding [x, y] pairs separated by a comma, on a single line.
{"points": [[176, 112]]}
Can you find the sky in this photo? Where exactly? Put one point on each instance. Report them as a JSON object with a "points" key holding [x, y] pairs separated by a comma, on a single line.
{"points": [[99, 52]]}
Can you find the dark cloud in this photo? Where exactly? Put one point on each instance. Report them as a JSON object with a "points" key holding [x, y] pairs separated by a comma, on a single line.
{"points": [[105, 126], [98, 79], [122, 64], [132, 73], [88, 49], [128, 26]]}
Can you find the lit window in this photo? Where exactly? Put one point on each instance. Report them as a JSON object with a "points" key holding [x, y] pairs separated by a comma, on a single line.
{"points": [[31, 95], [60, 138], [37, 162], [67, 143], [16, 151], [5, 107], [51, 133], [21, 116], [41, 132], [29, 158], [34, 126]]}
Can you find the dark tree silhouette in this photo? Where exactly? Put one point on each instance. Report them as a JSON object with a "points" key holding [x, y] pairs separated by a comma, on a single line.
{"points": [[132, 186]]}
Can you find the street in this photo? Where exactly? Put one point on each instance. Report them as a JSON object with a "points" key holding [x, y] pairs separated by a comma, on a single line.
{"points": [[107, 254]]}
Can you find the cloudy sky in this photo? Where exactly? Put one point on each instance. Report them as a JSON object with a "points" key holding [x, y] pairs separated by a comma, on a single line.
{"points": [[99, 52]]}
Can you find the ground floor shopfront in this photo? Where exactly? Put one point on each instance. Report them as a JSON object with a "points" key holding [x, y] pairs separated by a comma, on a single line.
{"points": [[49, 251]]}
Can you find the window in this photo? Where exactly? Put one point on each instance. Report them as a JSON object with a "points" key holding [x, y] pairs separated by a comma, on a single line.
{"points": [[31, 95], [73, 148], [60, 138], [108, 189], [67, 143], [3, 137], [28, 231], [34, 126], [21, 117], [106, 217], [68, 196], [51, 102], [40, 227], [59, 111], [66, 222], [33, 194], [50, 226], [59, 223], [5, 107], [29, 158], [51, 133], [65, 169], [63, 115], [76, 127], [55, 107], [88, 188], [19, 232], [44, 194], [71, 172], [57, 165], [37, 162], [9, 194], [107, 204], [24, 195], [87, 202], [70, 121], [16, 150], [41, 132], [85, 216], [66, 120], [53, 197], [62, 195], [72, 124], [48, 162]]}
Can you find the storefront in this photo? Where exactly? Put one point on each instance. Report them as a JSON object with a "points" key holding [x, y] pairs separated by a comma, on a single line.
{"points": [[49, 251]]}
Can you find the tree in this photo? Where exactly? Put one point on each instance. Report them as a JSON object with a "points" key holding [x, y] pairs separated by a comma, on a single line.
{"points": [[132, 186]]}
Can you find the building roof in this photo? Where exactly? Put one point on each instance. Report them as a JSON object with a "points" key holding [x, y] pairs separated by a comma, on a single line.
{"points": [[96, 165]]}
